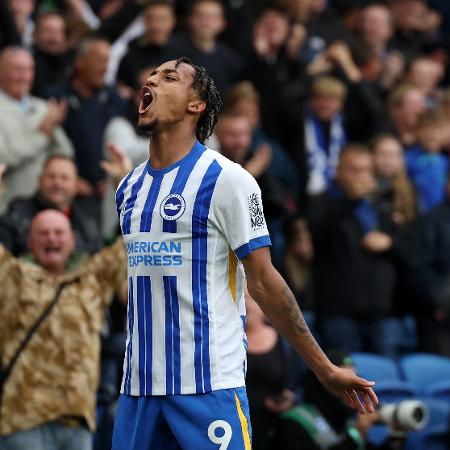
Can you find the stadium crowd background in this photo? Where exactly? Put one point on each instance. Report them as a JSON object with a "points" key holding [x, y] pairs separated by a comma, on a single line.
{"points": [[340, 110]]}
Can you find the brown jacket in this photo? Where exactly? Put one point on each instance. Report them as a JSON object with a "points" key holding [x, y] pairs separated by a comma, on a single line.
{"points": [[57, 373]]}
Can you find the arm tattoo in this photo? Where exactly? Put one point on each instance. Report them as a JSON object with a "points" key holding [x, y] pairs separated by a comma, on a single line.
{"points": [[293, 315]]}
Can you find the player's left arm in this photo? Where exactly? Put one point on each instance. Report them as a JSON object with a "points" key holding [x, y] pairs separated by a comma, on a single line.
{"points": [[278, 303]]}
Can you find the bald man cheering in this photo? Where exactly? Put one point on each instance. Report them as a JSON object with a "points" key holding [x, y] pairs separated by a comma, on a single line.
{"points": [[48, 399]]}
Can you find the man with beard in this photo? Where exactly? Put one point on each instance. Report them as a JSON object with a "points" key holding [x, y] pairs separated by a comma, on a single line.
{"points": [[192, 221]]}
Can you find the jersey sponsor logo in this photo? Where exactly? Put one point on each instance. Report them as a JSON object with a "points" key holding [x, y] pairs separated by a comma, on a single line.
{"points": [[154, 253], [172, 207], [256, 212]]}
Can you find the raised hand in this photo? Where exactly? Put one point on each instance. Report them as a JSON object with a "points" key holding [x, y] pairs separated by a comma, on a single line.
{"points": [[56, 113], [119, 164]]}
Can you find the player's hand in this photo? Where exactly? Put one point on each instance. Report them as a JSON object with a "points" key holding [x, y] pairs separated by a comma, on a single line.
{"points": [[119, 165], [354, 391]]}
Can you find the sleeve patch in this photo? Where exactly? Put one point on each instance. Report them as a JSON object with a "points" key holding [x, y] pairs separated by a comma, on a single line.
{"points": [[256, 212]]}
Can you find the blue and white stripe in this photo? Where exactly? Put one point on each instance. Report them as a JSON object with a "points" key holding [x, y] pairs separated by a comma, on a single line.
{"points": [[185, 332]]}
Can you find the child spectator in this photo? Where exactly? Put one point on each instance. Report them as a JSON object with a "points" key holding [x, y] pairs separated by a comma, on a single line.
{"points": [[427, 167], [425, 74], [315, 134], [406, 103]]}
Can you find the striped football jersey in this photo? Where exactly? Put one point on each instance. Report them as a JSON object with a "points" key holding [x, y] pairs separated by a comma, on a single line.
{"points": [[185, 228]]}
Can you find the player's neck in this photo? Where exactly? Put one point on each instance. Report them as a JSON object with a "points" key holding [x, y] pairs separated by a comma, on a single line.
{"points": [[168, 148]]}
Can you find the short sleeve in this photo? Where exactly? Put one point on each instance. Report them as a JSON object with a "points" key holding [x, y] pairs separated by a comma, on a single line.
{"points": [[238, 211]]}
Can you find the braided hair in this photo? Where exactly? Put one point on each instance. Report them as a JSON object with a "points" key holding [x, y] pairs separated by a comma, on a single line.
{"points": [[204, 85]]}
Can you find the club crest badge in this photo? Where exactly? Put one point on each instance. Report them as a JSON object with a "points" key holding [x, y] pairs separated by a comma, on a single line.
{"points": [[172, 207]]}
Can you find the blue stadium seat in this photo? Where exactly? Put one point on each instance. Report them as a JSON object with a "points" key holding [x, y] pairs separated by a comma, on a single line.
{"points": [[435, 435], [423, 370], [375, 367], [440, 390], [393, 391]]}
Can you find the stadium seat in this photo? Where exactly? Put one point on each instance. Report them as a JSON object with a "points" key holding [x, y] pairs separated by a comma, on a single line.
{"points": [[435, 435], [423, 370], [375, 367], [393, 391], [440, 390]]}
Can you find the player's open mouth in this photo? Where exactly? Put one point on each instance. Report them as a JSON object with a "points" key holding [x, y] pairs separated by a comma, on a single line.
{"points": [[146, 99]]}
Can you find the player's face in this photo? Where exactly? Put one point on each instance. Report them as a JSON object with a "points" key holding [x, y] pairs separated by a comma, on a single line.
{"points": [[165, 96]]}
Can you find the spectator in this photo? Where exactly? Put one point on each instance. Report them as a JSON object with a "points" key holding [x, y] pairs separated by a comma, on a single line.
{"points": [[269, 369], [205, 22], [8, 32], [92, 104], [417, 26], [21, 11], [427, 167], [429, 278], [234, 137], [274, 60], [405, 105], [49, 399], [57, 188], [243, 99], [376, 27], [122, 131], [323, 25], [323, 422], [29, 127], [354, 274], [316, 134], [361, 70], [425, 74], [297, 265], [154, 46], [395, 191], [50, 52]]}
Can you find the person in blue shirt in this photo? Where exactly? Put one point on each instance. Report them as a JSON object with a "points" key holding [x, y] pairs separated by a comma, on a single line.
{"points": [[427, 166]]}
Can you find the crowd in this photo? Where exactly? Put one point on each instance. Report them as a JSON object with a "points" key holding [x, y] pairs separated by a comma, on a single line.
{"points": [[341, 111]]}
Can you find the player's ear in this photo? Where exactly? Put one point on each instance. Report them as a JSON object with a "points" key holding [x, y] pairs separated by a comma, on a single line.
{"points": [[196, 106]]}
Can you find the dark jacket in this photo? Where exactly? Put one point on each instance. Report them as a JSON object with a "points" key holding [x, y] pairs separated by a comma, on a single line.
{"points": [[428, 260], [347, 279], [49, 69], [85, 124], [15, 224]]}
